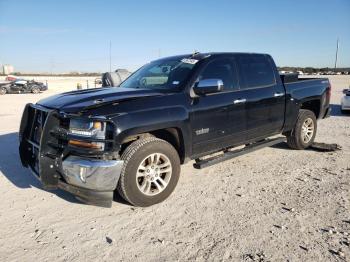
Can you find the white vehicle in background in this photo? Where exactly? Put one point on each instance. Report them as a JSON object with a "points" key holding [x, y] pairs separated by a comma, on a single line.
{"points": [[345, 101]]}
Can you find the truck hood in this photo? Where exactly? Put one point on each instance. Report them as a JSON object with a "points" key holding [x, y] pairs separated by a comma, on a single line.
{"points": [[77, 101]]}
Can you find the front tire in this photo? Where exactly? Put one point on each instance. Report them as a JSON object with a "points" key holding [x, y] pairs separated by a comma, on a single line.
{"points": [[303, 134], [150, 173], [3, 91], [35, 90]]}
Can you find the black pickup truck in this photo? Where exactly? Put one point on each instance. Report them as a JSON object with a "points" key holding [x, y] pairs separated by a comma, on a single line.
{"points": [[133, 139]]}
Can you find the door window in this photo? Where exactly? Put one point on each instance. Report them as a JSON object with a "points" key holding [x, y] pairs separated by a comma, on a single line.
{"points": [[255, 71], [222, 69]]}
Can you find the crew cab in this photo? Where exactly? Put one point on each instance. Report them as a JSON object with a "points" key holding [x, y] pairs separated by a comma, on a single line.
{"points": [[133, 139]]}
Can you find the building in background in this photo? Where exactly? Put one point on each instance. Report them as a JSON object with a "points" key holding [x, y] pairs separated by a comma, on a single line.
{"points": [[7, 69]]}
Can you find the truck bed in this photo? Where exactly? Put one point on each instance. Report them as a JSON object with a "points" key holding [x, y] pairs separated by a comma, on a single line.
{"points": [[314, 90], [294, 77]]}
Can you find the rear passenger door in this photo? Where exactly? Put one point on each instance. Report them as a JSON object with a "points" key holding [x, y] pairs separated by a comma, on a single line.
{"points": [[264, 98]]}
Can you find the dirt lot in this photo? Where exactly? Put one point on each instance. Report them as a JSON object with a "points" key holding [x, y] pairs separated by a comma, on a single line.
{"points": [[275, 204]]}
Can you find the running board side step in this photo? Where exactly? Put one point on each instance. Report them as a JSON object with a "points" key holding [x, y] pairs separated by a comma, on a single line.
{"points": [[202, 163]]}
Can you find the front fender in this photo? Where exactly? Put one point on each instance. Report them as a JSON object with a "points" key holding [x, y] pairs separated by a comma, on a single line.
{"points": [[145, 121]]}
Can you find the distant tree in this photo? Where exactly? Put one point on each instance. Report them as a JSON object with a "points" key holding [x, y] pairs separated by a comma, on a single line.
{"points": [[309, 70]]}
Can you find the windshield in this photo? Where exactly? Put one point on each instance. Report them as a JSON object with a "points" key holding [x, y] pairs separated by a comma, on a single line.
{"points": [[163, 74]]}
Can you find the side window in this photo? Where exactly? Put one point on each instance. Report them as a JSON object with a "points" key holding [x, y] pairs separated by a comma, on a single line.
{"points": [[221, 68], [255, 71]]}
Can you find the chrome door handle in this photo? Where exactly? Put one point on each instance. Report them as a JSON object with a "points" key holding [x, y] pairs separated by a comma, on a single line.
{"points": [[278, 94], [239, 101]]}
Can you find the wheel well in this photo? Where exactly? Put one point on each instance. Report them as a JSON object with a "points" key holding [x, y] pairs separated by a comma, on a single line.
{"points": [[312, 105], [172, 135]]}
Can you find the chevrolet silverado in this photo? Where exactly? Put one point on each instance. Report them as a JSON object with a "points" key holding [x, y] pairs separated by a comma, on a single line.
{"points": [[133, 139]]}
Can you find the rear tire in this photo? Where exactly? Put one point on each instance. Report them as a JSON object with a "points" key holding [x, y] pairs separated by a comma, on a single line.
{"points": [[150, 173], [304, 131], [3, 91]]}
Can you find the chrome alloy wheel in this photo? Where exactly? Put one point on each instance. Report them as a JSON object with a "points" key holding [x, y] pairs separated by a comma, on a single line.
{"points": [[307, 130], [153, 174]]}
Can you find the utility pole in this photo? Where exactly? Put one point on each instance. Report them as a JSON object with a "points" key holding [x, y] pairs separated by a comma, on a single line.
{"points": [[110, 56], [336, 56]]}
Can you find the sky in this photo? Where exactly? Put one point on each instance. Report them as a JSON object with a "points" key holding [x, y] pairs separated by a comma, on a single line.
{"points": [[65, 36]]}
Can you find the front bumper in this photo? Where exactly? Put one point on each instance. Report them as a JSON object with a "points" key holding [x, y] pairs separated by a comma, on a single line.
{"points": [[91, 179], [93, 174], [87, 196]]}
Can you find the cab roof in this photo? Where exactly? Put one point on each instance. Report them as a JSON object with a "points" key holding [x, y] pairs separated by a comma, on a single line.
{"points": [[200, 56]]}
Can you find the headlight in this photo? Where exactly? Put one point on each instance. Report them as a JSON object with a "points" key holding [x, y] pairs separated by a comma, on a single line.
{"points": [[87, 128]]}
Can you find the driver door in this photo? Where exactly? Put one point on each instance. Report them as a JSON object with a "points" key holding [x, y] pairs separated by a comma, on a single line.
{"points": [[18, 85], [216, 120]]}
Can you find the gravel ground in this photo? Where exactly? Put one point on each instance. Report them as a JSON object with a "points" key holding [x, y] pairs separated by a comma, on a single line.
{"points": [[275, 204]]}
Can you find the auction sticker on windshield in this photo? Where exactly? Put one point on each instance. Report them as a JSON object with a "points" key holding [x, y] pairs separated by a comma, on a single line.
{"points": [[189, 61]]}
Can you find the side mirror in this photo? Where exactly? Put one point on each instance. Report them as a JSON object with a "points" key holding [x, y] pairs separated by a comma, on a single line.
{"points": [[208, 86]]}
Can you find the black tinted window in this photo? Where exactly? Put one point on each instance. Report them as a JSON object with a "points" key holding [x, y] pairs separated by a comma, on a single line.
{"points": [[255, 71], [221, 69]]}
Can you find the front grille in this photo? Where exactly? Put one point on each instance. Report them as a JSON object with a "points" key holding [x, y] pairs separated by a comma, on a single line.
{"points": [[44, 135], [38, 126]]}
